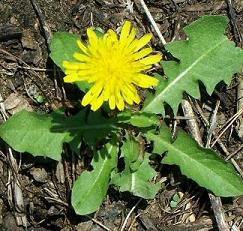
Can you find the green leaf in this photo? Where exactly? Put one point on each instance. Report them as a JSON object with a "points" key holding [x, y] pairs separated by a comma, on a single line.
{"points": [[44, 135], [30, 132], [91, 187], [200, 164], [83, 86], [99, 32], [90, 126], [130, 149], [137, 182], [63, 46], [207, 56], [132, 153], [138, 119], [175, 200]]}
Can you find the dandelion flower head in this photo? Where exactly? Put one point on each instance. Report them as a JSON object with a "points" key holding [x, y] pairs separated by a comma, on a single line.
{"points": [[114, 65]]}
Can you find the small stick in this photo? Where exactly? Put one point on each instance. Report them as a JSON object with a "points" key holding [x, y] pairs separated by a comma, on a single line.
{"points": [[192, 123], [45, 27], [213, 124], [218, 212], [237, 167], [206, 123], [99, 223], [240, 105], [128, 215], [150, 17], [232, 120], [234, 153], [40, 79], [235, 27], [36, 69]]}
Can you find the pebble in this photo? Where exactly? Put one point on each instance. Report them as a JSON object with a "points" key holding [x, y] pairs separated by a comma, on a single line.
{"points": [[39, 174]]}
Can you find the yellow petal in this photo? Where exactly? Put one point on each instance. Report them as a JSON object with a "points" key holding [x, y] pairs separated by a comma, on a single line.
{"points": [[85, 72], [93, 51], [69, 72], [71, 65], [126, 91], [152, 59], [127, 97], [146, 81], [81, 57], [112, 102], [130, 87], [119, 101], [87, 98], [106, 92], [143, 41], [120, 104], [142, 53], [97, 88], [131, 36], [133, 93], [97, 103], [92, 37], [112, 34], [136, 98], [82, 47], [125, 30], [71, 78], [132, 46], [93, 92], [126, 42]]}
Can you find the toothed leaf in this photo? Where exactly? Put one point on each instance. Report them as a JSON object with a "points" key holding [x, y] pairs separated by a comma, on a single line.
{"points": [[202, 165], [207, 56]]}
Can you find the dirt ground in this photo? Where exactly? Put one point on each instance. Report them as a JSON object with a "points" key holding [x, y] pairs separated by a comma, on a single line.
{"points": [[40, 197]]}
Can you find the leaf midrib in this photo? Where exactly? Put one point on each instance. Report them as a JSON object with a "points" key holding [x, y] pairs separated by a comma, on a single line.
{"points": [[86, 127], [98, 176], [170, 147], [181, 75], [81, 127]]}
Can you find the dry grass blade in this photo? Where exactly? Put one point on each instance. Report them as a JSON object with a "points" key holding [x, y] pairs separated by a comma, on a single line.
{"points": [[240, 106], [229, 122]]}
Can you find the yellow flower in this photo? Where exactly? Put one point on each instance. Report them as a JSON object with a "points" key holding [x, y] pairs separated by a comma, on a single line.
{"points": [[114, 66]]}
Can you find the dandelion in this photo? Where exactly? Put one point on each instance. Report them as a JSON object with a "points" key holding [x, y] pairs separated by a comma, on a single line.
{"points": [[114, 66]]}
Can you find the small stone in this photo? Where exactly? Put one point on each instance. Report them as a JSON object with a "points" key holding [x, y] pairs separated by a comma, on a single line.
{"points": [[15, 103], [28, 40], [66, 228], [9, 223], [84, 226], [39, 174], [53, 211]]}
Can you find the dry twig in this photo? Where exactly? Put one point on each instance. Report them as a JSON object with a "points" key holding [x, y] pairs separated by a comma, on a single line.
{"points": [[128, 215], [153, 23], [14, 190]]}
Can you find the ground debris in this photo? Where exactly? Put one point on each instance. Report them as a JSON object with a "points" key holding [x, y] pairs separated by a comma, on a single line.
{"points": [[15, 103]]}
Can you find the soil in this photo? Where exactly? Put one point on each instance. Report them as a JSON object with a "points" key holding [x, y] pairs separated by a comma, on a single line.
{"points": [[27, 76]]}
